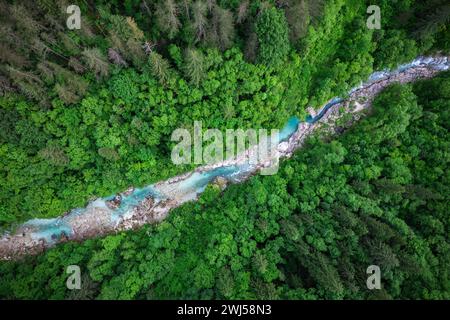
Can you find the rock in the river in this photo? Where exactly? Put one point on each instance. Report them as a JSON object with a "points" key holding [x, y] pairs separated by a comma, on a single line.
{"points": [[114, 203], [64, 237], [145, 207], [147, 203], [221, 182], [128, 191]]}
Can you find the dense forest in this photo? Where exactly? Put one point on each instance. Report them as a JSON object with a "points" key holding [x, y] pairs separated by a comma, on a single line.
{"points": [[87, 113], [376, 194]]}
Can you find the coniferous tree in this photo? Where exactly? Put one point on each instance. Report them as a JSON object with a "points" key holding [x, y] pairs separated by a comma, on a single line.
{"points": [[135, 42], [186, 6], [55, 23], [29, 84], [135, 32], [68, 44], [46, 72], [47, 6], [25, 23], [200, 20], [242, 11], [382, 255], [65, 94], [10, 56], [136, 52], [127, 40], [221, 32], [69, 86], [76, 65], [160, 67], [41, 48], [116, 58], [315, 9], [194, 65], [117, 43], [210, 4], [77, 85], [95, 61], [5, 86], [167, 17]]}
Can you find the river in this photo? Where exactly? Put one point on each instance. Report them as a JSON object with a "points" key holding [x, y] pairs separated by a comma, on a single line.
{"points": [[137, 206]]}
